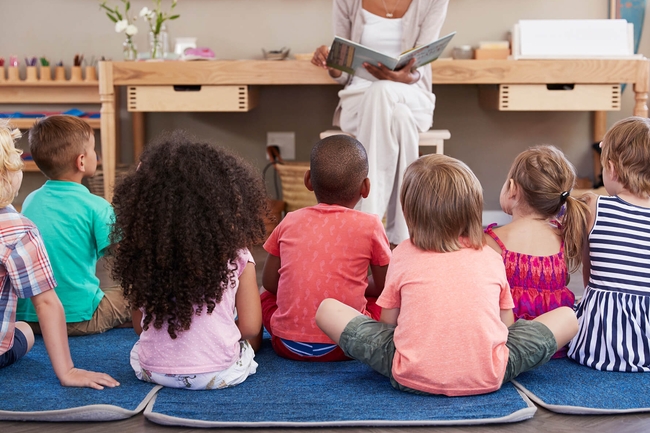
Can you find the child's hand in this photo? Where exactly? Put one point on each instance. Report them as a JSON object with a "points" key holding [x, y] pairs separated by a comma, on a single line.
{"points": [[77, 377]]}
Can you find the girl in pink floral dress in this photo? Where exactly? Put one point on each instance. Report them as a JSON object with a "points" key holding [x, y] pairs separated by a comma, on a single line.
{"points": [[538, 250]]}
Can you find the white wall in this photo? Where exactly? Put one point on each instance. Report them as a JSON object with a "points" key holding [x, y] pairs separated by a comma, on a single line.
{"points": [[486, 140]]}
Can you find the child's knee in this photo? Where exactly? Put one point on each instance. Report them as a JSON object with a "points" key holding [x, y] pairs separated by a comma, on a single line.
{"points": [[27, 332], [325, 309]]}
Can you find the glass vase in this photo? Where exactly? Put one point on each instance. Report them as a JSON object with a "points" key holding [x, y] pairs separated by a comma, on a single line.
{"points": [[129, 50], [159, 43]]}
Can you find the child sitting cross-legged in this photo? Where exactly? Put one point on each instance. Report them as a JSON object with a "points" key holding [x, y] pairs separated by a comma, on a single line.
{"points": [[324, 251], [25, 272], [538, 251], [446, 325], [75, 225], [184, 221]]}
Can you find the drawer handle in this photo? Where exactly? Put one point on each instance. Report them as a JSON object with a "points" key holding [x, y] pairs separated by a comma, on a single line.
{"points": [[187, 88], [558, 86]]}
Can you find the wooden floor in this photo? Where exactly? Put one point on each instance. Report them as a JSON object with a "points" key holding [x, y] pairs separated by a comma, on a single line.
{"points": [[543, 421]]}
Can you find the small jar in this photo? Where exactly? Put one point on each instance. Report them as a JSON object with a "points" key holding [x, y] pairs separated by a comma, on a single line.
{"points": [[464, 52]]}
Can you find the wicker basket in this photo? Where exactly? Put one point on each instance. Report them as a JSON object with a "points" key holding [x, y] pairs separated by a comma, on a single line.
{"points": [[96, 183], [294, 192]]}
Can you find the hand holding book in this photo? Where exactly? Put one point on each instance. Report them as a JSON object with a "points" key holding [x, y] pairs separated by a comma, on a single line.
{"points": [[351, 57], [320, 60], [407, 74]]}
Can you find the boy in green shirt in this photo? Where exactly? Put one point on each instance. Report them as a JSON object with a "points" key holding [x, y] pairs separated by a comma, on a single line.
{"points": [[75, 226]]}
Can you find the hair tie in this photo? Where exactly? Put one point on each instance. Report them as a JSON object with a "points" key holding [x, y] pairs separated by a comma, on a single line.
{"points": [[563, 196]]}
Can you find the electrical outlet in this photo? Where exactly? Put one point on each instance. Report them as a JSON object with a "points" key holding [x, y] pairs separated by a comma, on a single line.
{"points": [[286, 141]]}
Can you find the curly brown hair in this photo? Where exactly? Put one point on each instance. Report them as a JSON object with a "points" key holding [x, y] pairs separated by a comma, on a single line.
{"points": [[180, 220]]}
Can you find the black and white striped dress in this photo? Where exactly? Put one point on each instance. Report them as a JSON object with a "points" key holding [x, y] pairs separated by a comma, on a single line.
{"points": [[614, 315]]}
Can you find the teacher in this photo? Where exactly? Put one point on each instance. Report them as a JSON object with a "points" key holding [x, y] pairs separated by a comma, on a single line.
{"points": [[386, 115]]}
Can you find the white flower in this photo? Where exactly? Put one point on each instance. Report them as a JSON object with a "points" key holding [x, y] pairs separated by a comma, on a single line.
{"points": [[145, 12], [120, 26], [131, 30]]}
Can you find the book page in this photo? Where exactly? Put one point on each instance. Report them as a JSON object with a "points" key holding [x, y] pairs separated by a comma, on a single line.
{"points": [[426, 53]]}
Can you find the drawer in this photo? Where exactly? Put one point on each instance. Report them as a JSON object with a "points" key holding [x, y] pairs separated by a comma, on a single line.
{"points": [[191, 98], [551, 97]]}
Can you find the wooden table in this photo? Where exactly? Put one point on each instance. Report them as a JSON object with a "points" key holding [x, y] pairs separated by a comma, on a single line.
{"points": [[301, 72]]}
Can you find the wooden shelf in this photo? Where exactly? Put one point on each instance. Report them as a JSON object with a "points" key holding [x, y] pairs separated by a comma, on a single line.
{"points": [[53, 83], [30, 166], [27, 123]]}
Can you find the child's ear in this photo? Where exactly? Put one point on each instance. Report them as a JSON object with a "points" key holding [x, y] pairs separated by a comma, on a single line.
{"points": [[80, 163], [365, 188], [612, 170], [512, 188], [308, 180]]}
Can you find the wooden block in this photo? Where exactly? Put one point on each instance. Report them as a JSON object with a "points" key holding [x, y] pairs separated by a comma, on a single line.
{"points": [[31, 73], [59, 73], [192, 98], [13, 73], [75, 74], [491, 53], [46, 73]]}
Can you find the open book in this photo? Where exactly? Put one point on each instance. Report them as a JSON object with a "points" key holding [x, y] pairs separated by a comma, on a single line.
{"points": [[348, 56]]}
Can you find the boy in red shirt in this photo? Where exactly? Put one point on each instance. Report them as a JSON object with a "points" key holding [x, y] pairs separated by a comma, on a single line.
{"points": [[324, 251]]}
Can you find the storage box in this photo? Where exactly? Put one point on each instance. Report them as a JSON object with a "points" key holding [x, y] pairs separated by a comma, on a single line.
{"points": [[551, 97], [191, 98], [491, 53]]}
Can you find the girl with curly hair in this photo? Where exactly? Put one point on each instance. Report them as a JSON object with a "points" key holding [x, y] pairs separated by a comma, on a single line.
{"points": [[184, 220]]}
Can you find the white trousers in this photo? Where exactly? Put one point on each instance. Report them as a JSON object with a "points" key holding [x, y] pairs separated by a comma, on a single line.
{"points": [[386, 118]]}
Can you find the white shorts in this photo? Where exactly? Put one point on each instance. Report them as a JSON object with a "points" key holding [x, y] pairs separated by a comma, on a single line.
{"points": [[233, 375]]}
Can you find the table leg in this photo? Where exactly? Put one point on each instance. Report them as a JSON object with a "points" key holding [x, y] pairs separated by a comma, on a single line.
{"points": [[138, 134], [641, 90], [107, 98], [600, 128]]}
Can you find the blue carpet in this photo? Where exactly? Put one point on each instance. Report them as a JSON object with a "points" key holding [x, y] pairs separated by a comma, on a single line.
{"points": [[564, 386], [29, 389], [291, 393]]}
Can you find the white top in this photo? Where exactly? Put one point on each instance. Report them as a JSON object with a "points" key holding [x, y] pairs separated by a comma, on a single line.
{"points": [[380, 34]]}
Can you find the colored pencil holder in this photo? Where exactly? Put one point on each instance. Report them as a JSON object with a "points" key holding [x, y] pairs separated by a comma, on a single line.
{"points": [[91, 73], [75, 73], [13, 73], [46, 73], [31, 73], [59, 73]]}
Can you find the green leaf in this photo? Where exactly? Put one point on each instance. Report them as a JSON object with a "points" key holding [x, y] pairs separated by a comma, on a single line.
{"points": [[111, 17], [173, 17]]}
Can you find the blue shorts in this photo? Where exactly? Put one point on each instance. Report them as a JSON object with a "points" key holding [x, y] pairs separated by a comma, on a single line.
{"points": [[17, 351]]}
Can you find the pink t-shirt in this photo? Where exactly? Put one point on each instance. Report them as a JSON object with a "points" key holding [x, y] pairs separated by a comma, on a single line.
{"points": [[211, 344], [325, 251], [449, 338]]}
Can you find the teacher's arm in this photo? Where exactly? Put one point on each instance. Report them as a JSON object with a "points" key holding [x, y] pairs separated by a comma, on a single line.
{"points": [[432, 25]]}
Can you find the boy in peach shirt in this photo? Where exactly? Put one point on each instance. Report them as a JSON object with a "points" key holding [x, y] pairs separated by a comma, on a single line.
{"points": [[324, 251]]}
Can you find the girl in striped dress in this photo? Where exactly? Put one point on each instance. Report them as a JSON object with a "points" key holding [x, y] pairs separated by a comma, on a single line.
{"points": [[614, 315], [538, 252]]}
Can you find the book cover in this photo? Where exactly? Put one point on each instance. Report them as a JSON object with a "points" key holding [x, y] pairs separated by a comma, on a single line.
{"points": [[348, 56]]}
